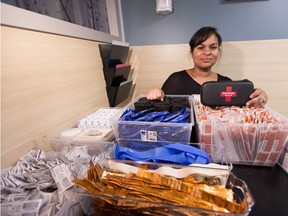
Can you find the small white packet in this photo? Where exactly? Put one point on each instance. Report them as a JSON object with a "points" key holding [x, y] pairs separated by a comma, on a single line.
{"points": [[27, 207], [62, 177], [77, 152]]}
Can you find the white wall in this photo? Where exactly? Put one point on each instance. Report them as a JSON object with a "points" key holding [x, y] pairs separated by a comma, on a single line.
{"points": [[236, 20]]}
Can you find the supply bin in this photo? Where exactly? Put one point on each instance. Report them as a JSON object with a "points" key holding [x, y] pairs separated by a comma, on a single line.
{"points": [[252, 136], [155, 130], [40, 182], [92, 127], [283, 159], [158, 189]]}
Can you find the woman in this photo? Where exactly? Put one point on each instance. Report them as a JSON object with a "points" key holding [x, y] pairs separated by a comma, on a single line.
{"points": [[205, 48]]}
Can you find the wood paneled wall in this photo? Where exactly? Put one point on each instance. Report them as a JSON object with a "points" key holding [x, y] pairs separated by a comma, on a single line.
{"points": [[263, 62], [47, 81]]}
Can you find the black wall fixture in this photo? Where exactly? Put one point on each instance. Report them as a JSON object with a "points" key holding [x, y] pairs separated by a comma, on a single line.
{"points": [[116, 72]]}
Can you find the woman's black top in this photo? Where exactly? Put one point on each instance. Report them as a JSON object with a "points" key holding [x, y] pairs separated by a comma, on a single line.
{"points": [[180, 83]]}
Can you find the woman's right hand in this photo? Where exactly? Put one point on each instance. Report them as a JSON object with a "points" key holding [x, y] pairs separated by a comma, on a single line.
{"points": [[155, 94]]}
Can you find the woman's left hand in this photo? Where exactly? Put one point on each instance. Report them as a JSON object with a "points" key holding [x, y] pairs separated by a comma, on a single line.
{"points": [[258, 98]]}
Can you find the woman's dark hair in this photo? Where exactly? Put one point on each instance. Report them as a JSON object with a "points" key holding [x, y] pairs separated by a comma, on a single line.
{"points": [[203, 34]]}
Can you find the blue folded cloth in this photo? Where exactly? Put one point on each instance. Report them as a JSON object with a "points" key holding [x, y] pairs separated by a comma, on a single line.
{"points": [[178, 153]]}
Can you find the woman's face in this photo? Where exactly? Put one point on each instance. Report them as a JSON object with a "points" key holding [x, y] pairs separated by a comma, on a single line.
{"points": [[205, 55]]}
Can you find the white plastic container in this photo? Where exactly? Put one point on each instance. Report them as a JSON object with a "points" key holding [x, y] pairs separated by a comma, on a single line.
{"points": [[242, 143], [153, 131]]}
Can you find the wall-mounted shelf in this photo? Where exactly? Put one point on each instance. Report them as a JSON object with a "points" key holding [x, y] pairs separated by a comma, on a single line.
{"points": [[116, 72], [120, 71], [118, 94]]}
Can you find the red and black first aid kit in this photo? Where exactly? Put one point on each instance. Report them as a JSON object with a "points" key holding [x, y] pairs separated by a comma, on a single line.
{"points": [[226, 93]]}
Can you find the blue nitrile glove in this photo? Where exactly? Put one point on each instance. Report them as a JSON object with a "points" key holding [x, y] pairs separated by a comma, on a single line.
{"points": [[174, 153]]}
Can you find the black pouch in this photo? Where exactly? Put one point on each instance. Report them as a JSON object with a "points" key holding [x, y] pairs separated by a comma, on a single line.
{"points": [[226, 93]]}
